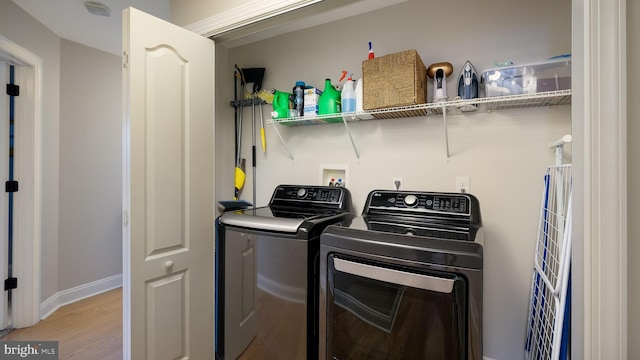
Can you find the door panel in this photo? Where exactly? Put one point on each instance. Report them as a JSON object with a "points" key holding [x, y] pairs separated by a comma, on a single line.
{"points": [[166, 149], [166, 326], [168, 191]]}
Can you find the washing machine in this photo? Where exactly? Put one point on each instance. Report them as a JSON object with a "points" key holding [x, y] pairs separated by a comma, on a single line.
{"points": [[404, 280], [267, 268]]}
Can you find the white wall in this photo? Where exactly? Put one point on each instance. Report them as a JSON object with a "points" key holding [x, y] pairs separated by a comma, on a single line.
{"points": [[81, 155], [504, 153], [90, 165], [21, 28], [633, 134]]}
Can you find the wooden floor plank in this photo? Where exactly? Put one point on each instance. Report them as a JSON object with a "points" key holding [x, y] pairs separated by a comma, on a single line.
{"points": [[87, 329]]}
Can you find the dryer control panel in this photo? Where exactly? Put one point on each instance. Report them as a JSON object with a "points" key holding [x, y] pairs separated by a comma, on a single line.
{"points": [[420, 203]]}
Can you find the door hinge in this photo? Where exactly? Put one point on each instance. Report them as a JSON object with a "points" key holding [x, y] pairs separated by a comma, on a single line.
{"points": [[10, 283], [125, 59], [125, 218], [11, 186], [13, 90]]}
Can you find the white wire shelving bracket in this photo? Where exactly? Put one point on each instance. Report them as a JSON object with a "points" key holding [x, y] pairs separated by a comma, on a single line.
{"points": [[444, 108]]}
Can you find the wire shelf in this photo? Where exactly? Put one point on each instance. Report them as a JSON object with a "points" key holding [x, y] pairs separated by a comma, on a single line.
{"points": [[560, 97], [454, 107]]}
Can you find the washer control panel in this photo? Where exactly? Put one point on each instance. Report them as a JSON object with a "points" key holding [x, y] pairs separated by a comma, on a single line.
{"points": [[419, 202], [325, 195]]}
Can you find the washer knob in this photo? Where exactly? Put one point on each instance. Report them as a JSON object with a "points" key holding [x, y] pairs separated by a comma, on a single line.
{"points": [[411, 200], [302, 193]]}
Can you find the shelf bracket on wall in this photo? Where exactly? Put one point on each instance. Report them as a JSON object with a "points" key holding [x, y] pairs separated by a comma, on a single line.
{"points": [[275, 128], [353, 143], [446, 132]]}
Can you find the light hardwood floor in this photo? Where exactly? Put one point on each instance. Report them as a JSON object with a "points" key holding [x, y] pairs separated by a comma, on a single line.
{"points": [[87, 329]]}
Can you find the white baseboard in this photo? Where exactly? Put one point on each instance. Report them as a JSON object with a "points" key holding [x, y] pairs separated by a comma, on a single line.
{"points": [[78, 293]]}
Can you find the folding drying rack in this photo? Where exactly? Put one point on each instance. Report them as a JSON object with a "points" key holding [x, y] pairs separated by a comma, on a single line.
{"points": [[549, 309]]}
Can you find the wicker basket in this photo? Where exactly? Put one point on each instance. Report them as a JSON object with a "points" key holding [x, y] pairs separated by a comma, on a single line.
{"points": [[397, 79]]}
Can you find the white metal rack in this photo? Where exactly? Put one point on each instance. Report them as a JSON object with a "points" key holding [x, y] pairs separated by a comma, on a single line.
{"points": [[547, 328], [444, 108]]}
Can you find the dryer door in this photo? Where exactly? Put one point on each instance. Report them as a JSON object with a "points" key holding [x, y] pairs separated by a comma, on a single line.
{"points": [[378, 311]]}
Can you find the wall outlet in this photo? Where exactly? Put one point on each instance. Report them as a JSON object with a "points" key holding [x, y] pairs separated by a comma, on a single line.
{"points": [[462, 184], [396, 184]]}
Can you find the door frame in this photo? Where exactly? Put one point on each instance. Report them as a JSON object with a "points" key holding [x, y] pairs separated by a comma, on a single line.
{"points": [[28, 210]]}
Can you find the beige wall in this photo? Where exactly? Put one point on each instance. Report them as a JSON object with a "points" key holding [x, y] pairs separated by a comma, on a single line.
{"points": [[186, 12], [633, 134], [21, 28], [81, 155], [90, 245], [504, 153]]}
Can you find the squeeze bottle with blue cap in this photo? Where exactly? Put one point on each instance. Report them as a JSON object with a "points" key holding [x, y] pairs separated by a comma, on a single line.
{"points": [[298, 98]]}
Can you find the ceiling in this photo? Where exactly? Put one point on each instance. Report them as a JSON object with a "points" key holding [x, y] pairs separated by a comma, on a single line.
{"points": [[69, 19]]}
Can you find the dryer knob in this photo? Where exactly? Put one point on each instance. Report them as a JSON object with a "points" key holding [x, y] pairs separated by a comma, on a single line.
{"points": [[302, 193], [411, 200]]}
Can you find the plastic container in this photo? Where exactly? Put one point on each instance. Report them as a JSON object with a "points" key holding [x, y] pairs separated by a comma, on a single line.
{"points": [[281, 103], [359, 102], [530, 78], [329, 102], [298, 98], [358, 91], [348, 97]]}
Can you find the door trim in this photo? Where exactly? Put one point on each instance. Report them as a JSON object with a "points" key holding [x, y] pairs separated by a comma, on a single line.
{"points": [[599, 124], [27, 216]]}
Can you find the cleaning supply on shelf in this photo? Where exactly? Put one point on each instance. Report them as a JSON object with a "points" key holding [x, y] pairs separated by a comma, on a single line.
{"points": [[311, 101], [359, 100], [281, 104], [348, 96], [298, 98], [329, 102], [371, 54]]}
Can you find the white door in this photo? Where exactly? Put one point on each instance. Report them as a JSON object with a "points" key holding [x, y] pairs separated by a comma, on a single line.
{"points": [[168, 190]]}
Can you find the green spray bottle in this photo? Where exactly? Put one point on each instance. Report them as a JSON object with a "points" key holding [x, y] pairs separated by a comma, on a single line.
{"points": [[329, 102]]}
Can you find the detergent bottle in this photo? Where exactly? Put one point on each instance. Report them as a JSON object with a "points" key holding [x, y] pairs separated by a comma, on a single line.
{"points": [[348, 96], [359, 96], [281, 101], [329, 102]]}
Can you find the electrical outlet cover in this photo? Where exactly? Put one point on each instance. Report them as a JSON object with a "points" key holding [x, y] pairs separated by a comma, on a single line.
{"points": [[462, 184]]}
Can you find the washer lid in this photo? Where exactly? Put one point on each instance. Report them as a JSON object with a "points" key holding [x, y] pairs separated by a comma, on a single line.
{"points": [[279, 224], [286, 220]]}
